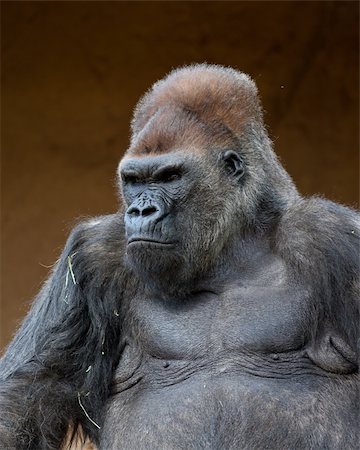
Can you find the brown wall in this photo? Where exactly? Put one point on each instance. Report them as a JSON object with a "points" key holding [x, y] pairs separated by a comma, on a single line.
{"points": [[72, 72]]}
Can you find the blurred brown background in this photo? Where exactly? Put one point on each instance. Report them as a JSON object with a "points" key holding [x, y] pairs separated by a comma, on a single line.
{"points": [[72, 72]]}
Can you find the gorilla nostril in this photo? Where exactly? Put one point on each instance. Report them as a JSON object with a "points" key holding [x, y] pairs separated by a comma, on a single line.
{"points": [[133, 211], [148, 211], [136, 211]]}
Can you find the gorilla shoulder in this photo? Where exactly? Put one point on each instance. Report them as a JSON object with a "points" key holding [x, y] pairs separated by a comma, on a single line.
{"points": [[314, 230], [101, 238]]}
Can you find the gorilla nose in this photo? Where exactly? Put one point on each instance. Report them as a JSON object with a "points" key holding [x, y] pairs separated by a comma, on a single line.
{"points": [[145, 211], [140, 219]]}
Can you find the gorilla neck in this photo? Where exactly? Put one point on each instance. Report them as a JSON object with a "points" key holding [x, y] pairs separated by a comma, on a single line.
{"points": [[239, 257]]}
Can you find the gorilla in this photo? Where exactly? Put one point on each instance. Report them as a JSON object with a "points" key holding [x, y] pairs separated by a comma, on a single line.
{"points": [[218, 309]]}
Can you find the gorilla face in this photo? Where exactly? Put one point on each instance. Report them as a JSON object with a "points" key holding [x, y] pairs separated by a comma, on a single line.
{"points": [[175, 213], [153, 188]]}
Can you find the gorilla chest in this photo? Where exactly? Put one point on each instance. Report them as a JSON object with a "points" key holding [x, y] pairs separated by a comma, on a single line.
{"points": [[245, 316]]}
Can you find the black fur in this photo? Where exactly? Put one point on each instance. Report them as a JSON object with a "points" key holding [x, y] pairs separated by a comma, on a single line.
{"points": [[237, 328]]}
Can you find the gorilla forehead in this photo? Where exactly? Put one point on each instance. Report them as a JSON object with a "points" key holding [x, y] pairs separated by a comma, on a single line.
{"points": [[173, 127]]}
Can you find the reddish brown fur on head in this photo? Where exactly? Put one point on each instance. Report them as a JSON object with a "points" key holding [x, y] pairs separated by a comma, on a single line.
{"points": [[191, 106]]}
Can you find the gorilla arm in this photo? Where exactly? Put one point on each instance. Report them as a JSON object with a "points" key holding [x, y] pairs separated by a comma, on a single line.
{"points": [[320, 240], [58, 369]]}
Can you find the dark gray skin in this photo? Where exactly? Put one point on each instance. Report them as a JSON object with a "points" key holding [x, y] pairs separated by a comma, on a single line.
{"points": [[217, 310]]}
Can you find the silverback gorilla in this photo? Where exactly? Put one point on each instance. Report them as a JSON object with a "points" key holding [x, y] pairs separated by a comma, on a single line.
{"points": [[217, 310]]}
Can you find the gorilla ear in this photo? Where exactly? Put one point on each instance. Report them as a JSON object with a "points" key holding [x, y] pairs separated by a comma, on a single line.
{"points": [[234, 164]]}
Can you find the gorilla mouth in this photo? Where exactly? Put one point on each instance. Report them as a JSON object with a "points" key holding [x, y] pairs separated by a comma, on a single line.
{"points": [[145, 240]]}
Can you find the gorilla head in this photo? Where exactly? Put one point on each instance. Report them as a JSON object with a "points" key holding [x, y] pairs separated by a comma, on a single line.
{"points": [[199, 174]]}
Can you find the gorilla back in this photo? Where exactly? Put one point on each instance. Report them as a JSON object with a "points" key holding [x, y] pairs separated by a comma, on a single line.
{"points": [[217, 309]]}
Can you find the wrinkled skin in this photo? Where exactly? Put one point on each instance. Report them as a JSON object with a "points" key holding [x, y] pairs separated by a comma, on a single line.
{"points": [[217, 310]]}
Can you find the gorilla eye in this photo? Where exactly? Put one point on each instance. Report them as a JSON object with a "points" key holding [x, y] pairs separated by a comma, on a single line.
{"points": [[234, 164], [168, 175], [130, 179]]}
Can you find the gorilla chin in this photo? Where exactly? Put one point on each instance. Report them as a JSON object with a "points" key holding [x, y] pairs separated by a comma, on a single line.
{"points": [[146, 257]]}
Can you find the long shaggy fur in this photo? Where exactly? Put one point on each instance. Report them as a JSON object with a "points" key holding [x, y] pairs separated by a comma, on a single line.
{"points": [[58, 370]]}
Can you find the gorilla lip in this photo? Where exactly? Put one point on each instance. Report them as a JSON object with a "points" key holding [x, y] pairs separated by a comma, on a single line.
{"points": [[142, 240]]}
